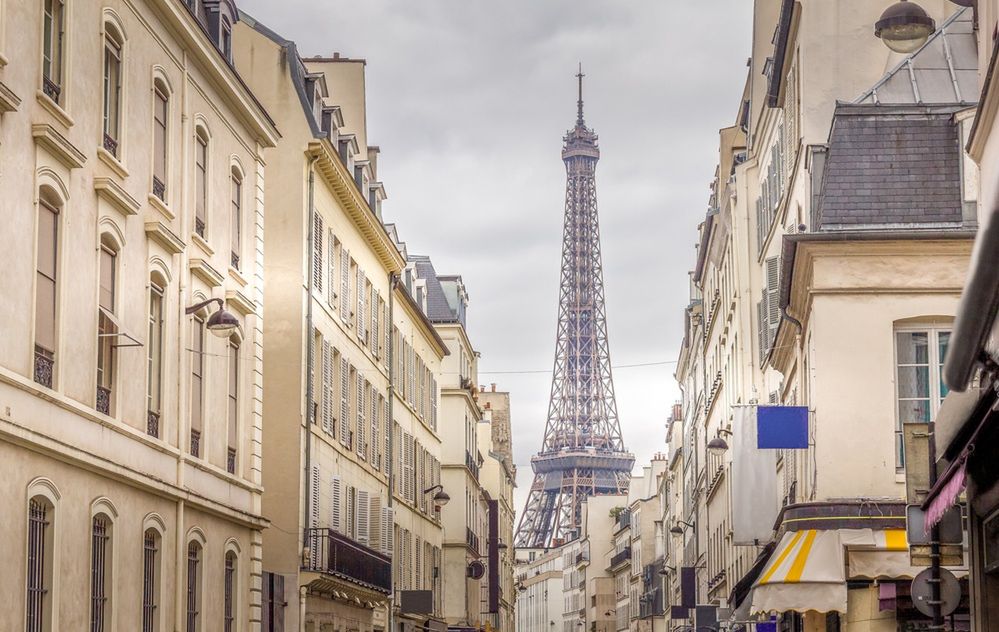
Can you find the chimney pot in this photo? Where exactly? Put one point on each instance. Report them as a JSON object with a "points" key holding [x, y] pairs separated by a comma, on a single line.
{"points": [[493, 386], [336, 55]]}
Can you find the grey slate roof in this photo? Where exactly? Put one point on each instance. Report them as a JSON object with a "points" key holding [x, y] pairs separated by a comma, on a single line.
{"points": [[896, 166], [943, 70], [438, 308]]}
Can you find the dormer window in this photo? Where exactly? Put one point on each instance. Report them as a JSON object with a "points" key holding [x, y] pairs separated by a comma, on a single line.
{"points": [[225, 38]]}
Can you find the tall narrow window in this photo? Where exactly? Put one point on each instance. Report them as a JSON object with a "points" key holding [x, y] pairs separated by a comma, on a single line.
{"points": [[39, 572], [100, 572], [200, 183], [919, 358], [112, 90], [236, 228], [45, 292], [160, 113], [229, 597], [150, 585], [225, 38], [52, 40], [154, 342], [193, 587], [233, 433], [107, 331], [197, 375]]}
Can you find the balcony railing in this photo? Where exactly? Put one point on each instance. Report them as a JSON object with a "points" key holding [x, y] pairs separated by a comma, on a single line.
{"points": [[111, 144], [338, 555], [159, 188], [104, 400], [623, 520], [472, 465], [153, 424], [51, 89], [622, 556], [471, 539], [44, 363]]}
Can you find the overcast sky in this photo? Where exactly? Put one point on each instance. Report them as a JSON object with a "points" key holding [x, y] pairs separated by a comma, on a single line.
{"points": [[469, 99]]}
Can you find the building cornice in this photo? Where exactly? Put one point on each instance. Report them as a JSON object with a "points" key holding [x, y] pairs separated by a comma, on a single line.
{"points": [[415, 313]]}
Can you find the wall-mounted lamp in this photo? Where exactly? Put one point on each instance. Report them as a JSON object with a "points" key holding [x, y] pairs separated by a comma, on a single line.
{"points": [[441, 498], [667, 569], [676, 529], [904, 26], [221, 323], [718, 445]]}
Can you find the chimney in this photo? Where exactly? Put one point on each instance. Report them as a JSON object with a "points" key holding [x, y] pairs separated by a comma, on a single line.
{"points": [[489, 405], [493, 386], [336, 55]]}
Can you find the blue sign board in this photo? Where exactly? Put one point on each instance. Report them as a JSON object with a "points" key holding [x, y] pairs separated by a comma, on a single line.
{"points": [[782, 427]]}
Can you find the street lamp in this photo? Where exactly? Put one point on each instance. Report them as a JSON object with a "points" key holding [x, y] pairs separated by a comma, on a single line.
{"points": [[667, 569], [676, 529], [441, 498], [718, 445], [221, 323], [904, 26]]}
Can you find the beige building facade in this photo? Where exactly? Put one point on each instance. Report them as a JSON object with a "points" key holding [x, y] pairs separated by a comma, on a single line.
{"points": [[130, 434]]}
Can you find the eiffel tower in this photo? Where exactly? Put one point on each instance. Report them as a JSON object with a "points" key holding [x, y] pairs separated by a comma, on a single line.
{"points": [[583, 454]]}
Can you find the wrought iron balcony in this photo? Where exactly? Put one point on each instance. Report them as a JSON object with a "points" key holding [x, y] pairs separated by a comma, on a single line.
{"points": [[51, 89], [111, 144], [620, 558], [472, 465], [44, 364], [104, 400], [230, 461], [195, 443], [337, 555], [471, 539], [153, 424], [199, 227], [159, 189]]}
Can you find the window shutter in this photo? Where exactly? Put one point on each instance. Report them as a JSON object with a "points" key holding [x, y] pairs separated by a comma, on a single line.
{"points": [[336, 504], [344, 406], [418, 563], [388, 335], [331, 270], [433, 403], [388, 531], [375, 529], [773, 296], [344, 284], [761, 326], [375, 446], [359, 437], [314, 500], [327, 387], [374, 342], [359, 317], [317, 254], [361, 515], [408, 467], [387, 425]]}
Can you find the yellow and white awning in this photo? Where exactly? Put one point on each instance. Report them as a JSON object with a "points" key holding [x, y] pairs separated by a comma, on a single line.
{"points": [[808, 570]]}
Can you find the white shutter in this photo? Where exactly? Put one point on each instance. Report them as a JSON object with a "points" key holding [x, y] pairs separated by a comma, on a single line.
{"points": [[386, 426], [761, 326], [344, 284], [314, 498], [375, 446], [351, 505], [331, 271], [359, 437], [418, 549], [373, 316], [388, 531], [375, 536], [327, 388], [433, 403], [344, 403], [362, 517], [359, 316], [773, 296], [336, 504], [388, 334], [317, 253]]}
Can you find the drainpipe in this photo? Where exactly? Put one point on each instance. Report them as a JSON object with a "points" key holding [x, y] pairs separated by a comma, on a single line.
{"points": [[393, 280], [309, 395]]}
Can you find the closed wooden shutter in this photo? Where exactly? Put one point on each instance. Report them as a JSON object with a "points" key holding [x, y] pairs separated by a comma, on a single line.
{"points": [[344, 284], [433, 403], [388, 335], [408, 458], [344, 401], [418, 563], [359, 317], [331, 270], [374, 342], [388, 531], [773, 296], [349, 524], [314, 498], [327, 393], [363, 506], [336, 504], [317, 253], [375, 447], [386, 425], [361, 422], [375, 529]]}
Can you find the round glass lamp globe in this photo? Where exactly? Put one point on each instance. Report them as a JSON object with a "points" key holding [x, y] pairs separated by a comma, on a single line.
{"points": [[904, 27]]}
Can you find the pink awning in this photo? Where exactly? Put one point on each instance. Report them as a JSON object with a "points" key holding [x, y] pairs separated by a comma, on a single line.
{"points": [[945, 492]]}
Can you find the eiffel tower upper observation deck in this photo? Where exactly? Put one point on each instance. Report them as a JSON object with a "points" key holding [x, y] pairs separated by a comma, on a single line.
{"points": [[583, 454]]}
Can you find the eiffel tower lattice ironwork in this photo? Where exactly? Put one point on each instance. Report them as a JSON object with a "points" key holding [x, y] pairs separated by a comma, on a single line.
{"points": [[583, 453]]}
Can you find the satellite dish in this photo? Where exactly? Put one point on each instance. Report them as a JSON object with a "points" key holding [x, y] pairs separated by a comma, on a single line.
{"points": [[950, 592]]}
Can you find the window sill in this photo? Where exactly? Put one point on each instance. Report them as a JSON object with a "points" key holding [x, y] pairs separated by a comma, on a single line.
{"points": [[54, 109], [237, 276], [112, 162], [162, 207], [201, 243]]}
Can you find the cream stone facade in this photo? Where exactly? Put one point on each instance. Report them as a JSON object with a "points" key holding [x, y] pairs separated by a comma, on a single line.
{"points": [[539, 584], [130, 435]]}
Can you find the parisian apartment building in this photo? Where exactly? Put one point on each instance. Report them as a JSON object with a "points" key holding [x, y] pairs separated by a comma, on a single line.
{"points": [[131, 356]]}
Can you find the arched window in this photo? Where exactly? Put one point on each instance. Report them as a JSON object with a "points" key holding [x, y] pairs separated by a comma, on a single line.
{"points": [[194, 558], [161, 129], [107, 325], [38, 607], [233, 391], [151, 542], [53, 26], [236, 220], [101, 569], [229, 605], [46, 286], [200, 181], [154, 343], [114, 43]]}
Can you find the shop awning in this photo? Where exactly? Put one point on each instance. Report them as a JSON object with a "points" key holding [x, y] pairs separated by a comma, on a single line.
{"points": [[808, 570]]}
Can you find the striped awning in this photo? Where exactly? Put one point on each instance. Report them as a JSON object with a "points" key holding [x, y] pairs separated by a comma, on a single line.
{"points": [[808, 570]]}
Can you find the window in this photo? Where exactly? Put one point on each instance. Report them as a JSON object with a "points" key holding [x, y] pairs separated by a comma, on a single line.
{"points": [[150, 572], [100, 573], [272, 603], [197, 375], [112, 90], [919, 358], [160, 157], [229, 598], [45, 291], [38, 613], [233, 406], [200, 182], [193, 587], [154, 342], [225, 38], [236, 229], [52, 49], [107, 330]]}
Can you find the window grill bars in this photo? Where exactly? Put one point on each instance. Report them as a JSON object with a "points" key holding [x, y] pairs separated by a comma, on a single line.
{"points": [[193, 561], [37, 525], [230, 571], [98, 573], [150, 551]]}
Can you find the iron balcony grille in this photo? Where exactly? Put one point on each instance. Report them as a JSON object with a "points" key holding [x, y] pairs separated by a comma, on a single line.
{"points": [[104, 400], [336, 554], [51, 89], [111, 144], [37, 525], [199, 227], [44, 365], [159, 188], [471, 539], [196, 443], [230, 461], [472, 465], [153, 424], [234, 260], [623, 556]]}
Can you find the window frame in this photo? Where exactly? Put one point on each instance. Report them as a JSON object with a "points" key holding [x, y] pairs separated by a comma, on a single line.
{"points": [[154, 346], [152, 541], [113, 51], [197, 376], [230, 591], [193, 600], [202, 160], [44, 362], [232, 395], [101, 572], [236, 217], [53, 49], [934, 365], [42, 608], [161, 94], [107, 330]]}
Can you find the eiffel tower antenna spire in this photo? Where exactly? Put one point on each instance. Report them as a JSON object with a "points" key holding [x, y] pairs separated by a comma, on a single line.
{"points": [[583, 454]]}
